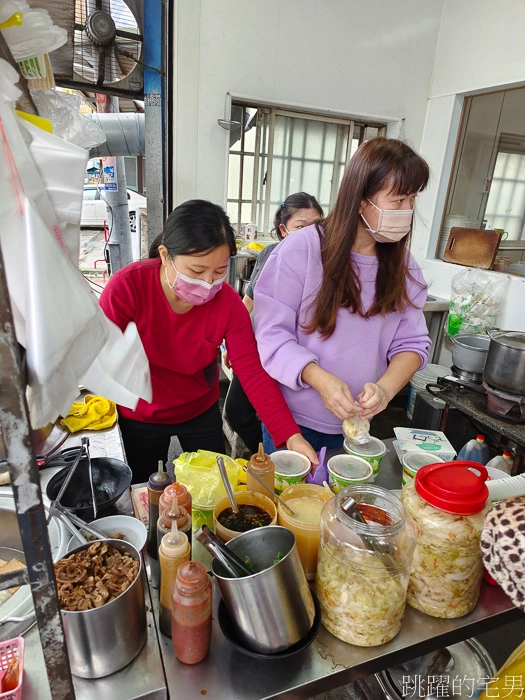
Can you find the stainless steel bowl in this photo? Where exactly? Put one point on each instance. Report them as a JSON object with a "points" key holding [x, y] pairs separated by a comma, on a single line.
{"points": [[274, 608], [470, 352], [104, 640]]}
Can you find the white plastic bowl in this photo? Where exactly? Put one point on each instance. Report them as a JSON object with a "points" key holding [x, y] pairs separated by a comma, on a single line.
{"points": [[133, 529]]}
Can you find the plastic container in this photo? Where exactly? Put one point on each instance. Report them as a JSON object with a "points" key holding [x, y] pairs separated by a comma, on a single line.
{"points": [[262, 465], [347, 470], [419, 382], [290, 468], [475, 451], [496, 473], [502, 462], [191, 613], [306, 527], [413, 461], [361, 591], [9, 650], [242, 497], [448, 503], [372, 452], [174, 550]]}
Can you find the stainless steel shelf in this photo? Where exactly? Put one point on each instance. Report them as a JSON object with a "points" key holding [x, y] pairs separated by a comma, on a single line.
{"points": [[328, 663]]}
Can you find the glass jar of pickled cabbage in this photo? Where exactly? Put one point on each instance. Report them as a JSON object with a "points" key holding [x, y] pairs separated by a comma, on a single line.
{"points": [[364, 567], [448, 502]]}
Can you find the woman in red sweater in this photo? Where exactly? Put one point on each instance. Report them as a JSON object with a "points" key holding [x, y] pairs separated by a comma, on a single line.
{"points": [[183, 310]]}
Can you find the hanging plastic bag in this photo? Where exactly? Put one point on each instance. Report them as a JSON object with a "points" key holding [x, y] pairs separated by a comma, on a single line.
{"points": [[62, 110], [120, 372], [65, 327], [57, 317], [61, 167], [475, 303]]}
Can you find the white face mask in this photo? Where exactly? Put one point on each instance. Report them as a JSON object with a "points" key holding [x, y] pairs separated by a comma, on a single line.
{"points": [[392, 224]]}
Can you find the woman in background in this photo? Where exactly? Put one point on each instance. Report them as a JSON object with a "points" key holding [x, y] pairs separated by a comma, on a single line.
{"points": [[298, 211], [338, 309]]}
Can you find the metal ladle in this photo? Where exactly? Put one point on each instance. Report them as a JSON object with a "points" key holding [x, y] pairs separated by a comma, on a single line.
{"points": [[351, 508], [227, 485]]}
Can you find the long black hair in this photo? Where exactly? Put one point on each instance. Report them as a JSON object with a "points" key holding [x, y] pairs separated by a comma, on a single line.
{"points": [[299, 200], [197, 226]]}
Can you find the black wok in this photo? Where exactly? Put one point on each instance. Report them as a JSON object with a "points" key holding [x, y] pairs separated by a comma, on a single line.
{"points": [[111, 478]]}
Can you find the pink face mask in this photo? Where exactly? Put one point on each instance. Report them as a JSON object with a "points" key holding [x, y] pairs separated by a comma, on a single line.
{"points": [[392, 224], [191, 290]]}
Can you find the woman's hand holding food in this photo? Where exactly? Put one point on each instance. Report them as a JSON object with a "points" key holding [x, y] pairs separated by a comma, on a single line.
{"points": [[335, 393], [372, 400], [297, 443]]}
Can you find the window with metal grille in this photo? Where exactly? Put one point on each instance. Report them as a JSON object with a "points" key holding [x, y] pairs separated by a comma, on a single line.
{"points": [[277, 152]]}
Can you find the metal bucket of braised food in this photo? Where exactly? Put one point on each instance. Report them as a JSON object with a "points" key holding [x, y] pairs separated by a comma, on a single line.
{"points": [[101, 595]]}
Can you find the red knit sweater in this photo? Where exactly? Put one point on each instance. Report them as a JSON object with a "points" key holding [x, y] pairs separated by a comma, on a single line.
{"points": [[182, 350]]}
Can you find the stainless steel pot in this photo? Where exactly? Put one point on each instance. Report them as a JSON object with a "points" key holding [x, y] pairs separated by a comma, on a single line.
{"points": [[505, 366], [240, 267], [274, 608], [104, 640], [470, 352]]}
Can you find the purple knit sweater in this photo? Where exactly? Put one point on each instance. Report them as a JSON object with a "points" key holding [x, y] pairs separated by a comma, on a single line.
{"points": [[358, 351]]}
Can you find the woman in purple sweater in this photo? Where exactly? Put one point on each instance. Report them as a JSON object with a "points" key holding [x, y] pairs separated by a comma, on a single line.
{"points": [[338, 312]]}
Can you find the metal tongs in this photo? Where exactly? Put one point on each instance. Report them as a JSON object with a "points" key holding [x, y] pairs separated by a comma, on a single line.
{"points": [[85, 444], [351, 508], [57, 510], [233, 564]]}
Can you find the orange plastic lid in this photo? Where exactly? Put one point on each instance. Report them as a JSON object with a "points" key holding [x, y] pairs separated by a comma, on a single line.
{"points": [[453, 487]]}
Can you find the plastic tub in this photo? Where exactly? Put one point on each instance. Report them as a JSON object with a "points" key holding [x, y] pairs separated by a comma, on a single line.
{"points": [[372, 452], [290, 468], [419, 382], [412, 461], [347, 470], [242, 497], [306, 533]]}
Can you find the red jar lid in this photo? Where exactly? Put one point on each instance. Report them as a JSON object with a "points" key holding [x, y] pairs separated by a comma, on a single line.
{"points": [[453, 486]]}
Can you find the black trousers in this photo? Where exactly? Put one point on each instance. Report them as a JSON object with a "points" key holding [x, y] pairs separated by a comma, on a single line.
{"points": [[147, 443], [242, 416]]}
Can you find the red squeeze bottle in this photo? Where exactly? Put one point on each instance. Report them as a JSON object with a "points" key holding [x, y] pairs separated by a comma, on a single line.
{"points": [[191, 613]]}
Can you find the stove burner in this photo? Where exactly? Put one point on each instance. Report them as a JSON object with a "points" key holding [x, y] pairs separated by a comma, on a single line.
{"points": [[505, 405], [470, 377]]}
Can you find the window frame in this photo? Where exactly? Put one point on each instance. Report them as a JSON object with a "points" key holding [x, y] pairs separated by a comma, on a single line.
{"points": [[355, 129]]}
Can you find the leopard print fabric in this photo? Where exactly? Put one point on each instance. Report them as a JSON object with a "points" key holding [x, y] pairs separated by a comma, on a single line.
{"points": [[503, 547]]}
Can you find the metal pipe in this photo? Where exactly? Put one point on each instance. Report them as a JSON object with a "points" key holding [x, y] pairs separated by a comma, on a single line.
{"points": [[119, 244], [125, 134]]}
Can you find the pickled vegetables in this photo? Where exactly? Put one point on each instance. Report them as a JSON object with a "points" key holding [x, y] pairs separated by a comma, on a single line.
{"points": [[362, 601], [447, 568]]}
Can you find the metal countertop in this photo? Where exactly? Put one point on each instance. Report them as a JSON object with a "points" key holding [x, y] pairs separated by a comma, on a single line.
{"points": [[227, 674]]}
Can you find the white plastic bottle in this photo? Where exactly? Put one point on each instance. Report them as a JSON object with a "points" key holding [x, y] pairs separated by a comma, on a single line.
{"points": [[503, 462], [475, 451]]}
